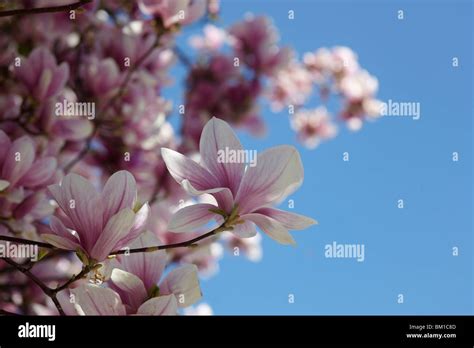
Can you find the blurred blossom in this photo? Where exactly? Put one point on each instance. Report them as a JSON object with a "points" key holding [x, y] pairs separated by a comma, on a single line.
{"points": [[291, 85], [41, 75], [102, 78], [313, 126], [251, 248], [255, 42], [200, 309], [359, 90], [173, 12], [212, 40]]}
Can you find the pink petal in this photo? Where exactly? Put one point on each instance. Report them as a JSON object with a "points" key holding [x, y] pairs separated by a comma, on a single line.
{"points": [[86, 211], [73, 129], [40, 172], [162, 305], [182, 168], [60, 242], [141, 217], [288, 220], [59, 229], [271, 227], [218, 137], [116, 229], [94, 300], [119, 192], [132, 287], [5, 144], [18, 160], [245, 230], [189, 218], [278, 173], [147, 266], [183, 282], [223, 195], [195, 179]]}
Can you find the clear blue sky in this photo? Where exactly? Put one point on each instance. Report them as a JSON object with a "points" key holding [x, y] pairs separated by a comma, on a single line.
{"points": [[407, 251]]}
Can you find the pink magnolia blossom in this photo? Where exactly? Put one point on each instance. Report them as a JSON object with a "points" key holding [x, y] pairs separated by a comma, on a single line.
{"points": [[96, 224], [41, 75], [20, 166], [174, 11], [243, 195], [101, 77], [344, 61], [135, 286], [359, 90], [136, 276], [211, 41], [291, 85], [313, 126], [255, 42]]}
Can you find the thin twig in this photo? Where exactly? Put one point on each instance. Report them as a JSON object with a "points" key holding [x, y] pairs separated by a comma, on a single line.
{"points": [[188, 243], [27, 241], [39, 10], [48, 291], [80, 275]]}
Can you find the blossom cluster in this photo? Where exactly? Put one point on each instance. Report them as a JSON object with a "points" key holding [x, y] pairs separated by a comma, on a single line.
{"points": [[127, 209]]}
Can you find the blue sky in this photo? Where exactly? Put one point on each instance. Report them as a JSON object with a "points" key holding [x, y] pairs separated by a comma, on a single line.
{"points": [[407, 251]]}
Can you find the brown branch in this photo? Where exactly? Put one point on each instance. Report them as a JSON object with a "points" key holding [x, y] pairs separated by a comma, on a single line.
{"points": [[27, 241], [47, 291], [188, 243], [75, 278], [39, 10]]}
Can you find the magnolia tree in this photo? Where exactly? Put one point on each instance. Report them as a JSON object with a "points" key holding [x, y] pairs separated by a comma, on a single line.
{"points": [[105, 207]]}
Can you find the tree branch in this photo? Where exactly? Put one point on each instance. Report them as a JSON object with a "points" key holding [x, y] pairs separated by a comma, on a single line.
{"points": [[27, 241], [188, 243], [39, 10], [48, 291]]}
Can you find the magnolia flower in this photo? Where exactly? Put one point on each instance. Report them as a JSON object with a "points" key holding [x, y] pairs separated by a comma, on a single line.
{"points": [[243, 195], [96, 224], [359, 85], [174, 11], [134, 286], [136, 278], [255, 42], [101, 77], [20, 167], [359, 90], [313, 126], [41, 75], [291, 85]]}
